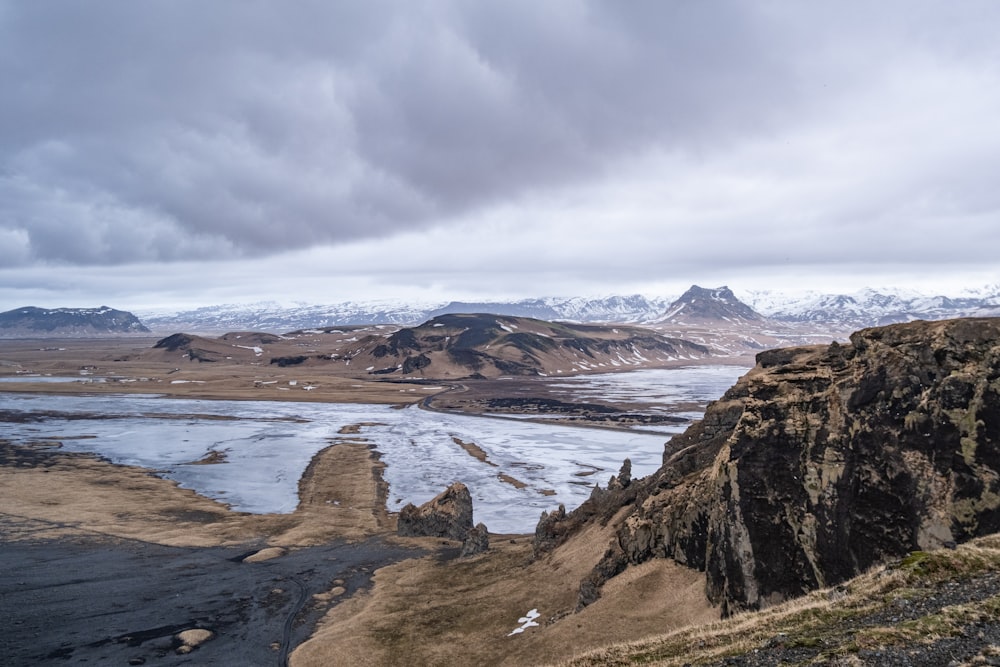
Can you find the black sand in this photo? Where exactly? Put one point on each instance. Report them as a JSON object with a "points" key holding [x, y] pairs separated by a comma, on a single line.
{"points": [[121, 602]]}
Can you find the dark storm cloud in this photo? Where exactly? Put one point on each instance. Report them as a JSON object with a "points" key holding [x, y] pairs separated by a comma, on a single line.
{"points": [[162, 130], [169, 130]]}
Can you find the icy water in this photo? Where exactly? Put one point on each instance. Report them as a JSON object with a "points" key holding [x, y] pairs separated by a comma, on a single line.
{"points": [[267, 446]]}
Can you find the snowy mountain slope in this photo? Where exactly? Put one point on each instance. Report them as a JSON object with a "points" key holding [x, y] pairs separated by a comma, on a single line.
{"points": [[270, 316], [700, 304], [872, 307], [869, 307]]}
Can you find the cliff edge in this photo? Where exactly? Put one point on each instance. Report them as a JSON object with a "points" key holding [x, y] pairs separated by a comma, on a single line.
{"points": [[819, 463]]}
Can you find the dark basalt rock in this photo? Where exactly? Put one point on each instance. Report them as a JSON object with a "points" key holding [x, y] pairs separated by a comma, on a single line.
{"points": [[820, 463], [294, 360], [449, 515], [476, 541], [414, 364], [174, 342]]}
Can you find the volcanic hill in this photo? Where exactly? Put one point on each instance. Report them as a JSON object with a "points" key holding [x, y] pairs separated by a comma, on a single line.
{"points": [[481, 345], [453, 346], [32, 321], [820, 463]]}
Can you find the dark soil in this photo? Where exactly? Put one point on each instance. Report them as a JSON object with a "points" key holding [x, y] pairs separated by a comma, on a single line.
{"points": [[121, 602]]}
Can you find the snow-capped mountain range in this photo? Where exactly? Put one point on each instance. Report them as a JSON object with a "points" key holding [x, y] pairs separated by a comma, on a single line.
{"points": [[874, 307], [868, 307]]}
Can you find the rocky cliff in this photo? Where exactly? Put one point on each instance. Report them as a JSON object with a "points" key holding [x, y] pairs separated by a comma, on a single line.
{"points": [[819, 463]]}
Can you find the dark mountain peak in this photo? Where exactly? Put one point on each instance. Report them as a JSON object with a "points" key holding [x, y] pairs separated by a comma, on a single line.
{"points": [[719, 303]]}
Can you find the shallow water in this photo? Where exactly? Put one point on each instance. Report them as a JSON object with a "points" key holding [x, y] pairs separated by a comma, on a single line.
{"points": [[268, 444]]}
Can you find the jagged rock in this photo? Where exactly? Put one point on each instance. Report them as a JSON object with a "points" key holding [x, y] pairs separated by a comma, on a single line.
{"points": [[623, 479], [449, 515], [555, 528], [477, 540], [822, 462], [548, 531]]}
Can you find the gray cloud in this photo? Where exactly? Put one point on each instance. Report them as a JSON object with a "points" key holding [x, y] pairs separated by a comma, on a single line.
{"points": [[176, 130]]}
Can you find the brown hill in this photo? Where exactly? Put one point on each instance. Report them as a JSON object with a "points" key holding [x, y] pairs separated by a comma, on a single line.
{"points": [[182, 347], [481, 345], [818, 464]]}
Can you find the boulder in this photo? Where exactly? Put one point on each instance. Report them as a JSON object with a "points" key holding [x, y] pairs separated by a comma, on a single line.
{"points": [[448, 515]]}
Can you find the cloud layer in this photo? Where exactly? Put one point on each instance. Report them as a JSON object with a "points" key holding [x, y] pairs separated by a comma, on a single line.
{"points": [[753, 134]]}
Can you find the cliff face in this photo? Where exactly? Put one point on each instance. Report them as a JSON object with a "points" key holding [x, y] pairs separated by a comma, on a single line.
{"points": [[821, 462]]}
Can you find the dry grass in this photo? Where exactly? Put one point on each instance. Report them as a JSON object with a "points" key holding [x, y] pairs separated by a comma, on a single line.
{"points": [[462, 611], [827, 618], [139, 369], [341, 495]]}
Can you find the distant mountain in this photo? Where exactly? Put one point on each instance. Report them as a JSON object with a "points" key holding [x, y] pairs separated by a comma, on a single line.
{"points": [[275, 317], [269, 316], [537, 308], [871, 307], [699, 304], [837, 312], [31, 321]]}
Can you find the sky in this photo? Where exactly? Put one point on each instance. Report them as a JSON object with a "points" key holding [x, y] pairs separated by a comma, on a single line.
{"points": [[175, 153]]}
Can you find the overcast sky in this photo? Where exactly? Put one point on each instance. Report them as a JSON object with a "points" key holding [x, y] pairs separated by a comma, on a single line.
{"points": [[179, 153]]}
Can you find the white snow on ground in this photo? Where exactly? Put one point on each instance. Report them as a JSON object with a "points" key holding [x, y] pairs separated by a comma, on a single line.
{"points": [[257, 350], [526, 621], [266, 451]]}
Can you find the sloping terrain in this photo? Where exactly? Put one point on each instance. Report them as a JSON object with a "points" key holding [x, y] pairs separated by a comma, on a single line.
{"points": [[927, 609], [480, 345]]}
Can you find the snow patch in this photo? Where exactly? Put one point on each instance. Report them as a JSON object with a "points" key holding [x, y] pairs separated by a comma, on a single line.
{"points": [[526, 621]]}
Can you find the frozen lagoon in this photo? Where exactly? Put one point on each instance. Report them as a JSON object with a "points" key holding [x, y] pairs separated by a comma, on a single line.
{"points": [[267, 446]]}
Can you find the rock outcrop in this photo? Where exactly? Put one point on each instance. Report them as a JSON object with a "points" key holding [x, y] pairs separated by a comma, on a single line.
{"points": [[449, 515], [819, 463], [476, 541]]}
